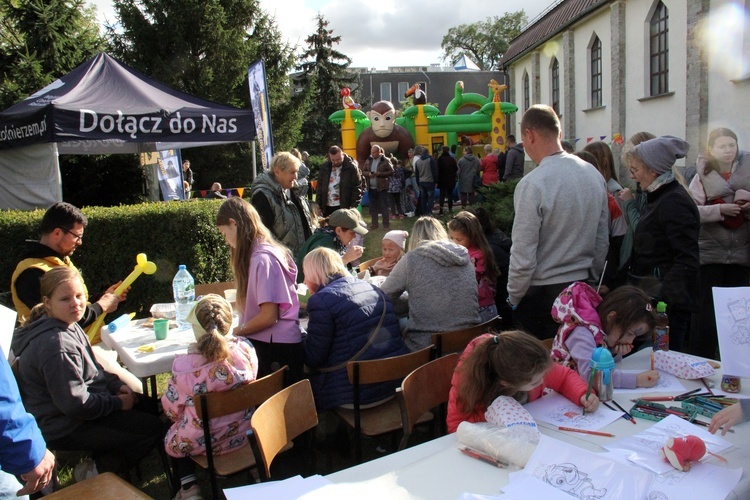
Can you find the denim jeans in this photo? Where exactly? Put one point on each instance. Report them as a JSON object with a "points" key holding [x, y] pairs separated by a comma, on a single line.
{"points": [[427, 197]]}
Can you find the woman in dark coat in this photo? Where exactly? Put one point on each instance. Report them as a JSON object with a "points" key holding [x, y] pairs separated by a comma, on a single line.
{"points": [[665, 259], [350, 320], [447, 175]]}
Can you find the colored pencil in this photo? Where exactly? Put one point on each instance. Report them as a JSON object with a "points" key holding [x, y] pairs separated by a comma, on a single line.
{"points": [[630, 417], [707, 387], [484, 458], [717, 456], [584, 431], [588, 391], [614, 409]]}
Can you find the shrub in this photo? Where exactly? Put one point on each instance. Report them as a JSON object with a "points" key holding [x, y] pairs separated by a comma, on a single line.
{"points": [[498, 200], [168, 233]]}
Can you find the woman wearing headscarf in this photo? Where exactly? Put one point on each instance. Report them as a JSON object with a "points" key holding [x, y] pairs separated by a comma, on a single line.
{"points": [[665, 248]]}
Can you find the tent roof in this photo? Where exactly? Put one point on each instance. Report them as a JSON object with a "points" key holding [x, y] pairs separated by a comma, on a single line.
{"points": [[465, 64], [104, 106]]}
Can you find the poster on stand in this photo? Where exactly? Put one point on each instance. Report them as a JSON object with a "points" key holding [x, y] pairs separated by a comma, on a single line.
{"points": [[169, 172], [256, 76]]}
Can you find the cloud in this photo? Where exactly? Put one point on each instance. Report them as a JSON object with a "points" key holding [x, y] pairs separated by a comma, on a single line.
{"points": [[380, 34]]}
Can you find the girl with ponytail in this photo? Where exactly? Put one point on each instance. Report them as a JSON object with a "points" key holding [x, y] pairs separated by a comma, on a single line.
{"points": [[216, 362]]}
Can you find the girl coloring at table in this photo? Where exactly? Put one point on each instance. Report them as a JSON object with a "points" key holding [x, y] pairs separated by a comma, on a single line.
{"points": [[511, 364], [216, 362], [588, 322], [267, 300], [464, 229]]}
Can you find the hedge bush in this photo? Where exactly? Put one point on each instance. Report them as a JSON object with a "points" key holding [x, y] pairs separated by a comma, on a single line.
{"points": [[498, 200], [168, 233]]}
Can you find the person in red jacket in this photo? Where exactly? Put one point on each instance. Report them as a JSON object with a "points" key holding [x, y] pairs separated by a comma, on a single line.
{"points": [[512, 364]]}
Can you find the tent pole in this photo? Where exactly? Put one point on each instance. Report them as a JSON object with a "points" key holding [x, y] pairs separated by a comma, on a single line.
{"points": [[255, 167]]}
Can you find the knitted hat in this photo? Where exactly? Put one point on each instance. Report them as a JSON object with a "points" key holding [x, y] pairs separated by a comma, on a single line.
{"points": [[660, 154], [348, 218], [398, 237]]}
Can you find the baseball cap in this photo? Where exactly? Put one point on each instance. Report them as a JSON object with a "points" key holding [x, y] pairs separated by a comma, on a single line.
{"points": [[348, 218]]}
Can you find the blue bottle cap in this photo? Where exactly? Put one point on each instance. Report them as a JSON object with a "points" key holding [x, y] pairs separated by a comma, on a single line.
{"points": [[602, 360]]}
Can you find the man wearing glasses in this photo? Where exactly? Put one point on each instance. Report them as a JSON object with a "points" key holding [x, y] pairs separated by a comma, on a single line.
{"points": [[61, 233]]}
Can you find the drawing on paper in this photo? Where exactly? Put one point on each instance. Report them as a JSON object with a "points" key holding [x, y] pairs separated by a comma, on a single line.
{"points": [[740, 321], [657, 495], [568, 478], [571, 416]]}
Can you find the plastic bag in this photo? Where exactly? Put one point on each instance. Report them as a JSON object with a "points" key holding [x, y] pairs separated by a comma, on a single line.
{"points": [[512, 445]]}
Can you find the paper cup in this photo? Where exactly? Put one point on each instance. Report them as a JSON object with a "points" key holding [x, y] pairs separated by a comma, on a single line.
{"points": [[230, 294], [161, 327]]}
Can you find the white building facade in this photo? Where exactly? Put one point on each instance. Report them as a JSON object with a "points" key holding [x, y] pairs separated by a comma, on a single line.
{"points": [[611, 68]]}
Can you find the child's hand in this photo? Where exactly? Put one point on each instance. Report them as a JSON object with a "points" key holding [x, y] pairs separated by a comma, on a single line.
{"points": [[622, 349], [726, 418], [590, 404], [647, 379]]}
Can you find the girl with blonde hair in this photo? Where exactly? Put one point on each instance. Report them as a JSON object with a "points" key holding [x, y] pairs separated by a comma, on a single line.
{"points": [[267, 300], [216, 362]]}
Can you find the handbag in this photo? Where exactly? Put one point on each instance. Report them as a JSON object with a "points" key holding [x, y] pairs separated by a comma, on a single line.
{"points": [[367, 345]]}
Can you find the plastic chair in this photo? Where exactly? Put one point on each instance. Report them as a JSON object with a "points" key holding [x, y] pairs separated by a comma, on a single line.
{"points": [[217, 404], [386, 417], [457, 340], [548, 343], [423, 389], [217, 288], [280, 419]]}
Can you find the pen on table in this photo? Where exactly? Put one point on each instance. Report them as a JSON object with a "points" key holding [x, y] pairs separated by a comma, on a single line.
{"points": [[584, 431], [624, 415], [484, 458], [707, 387], [588, 391], [630, 417]]}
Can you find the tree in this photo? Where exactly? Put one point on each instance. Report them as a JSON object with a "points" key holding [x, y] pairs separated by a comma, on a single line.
{"points": [[204, 47], [41, 41], [484, 42], [323, 78]]}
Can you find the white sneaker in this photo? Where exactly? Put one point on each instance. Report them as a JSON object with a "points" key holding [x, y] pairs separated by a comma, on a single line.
{"points": [[192, 493], [85, 470]]}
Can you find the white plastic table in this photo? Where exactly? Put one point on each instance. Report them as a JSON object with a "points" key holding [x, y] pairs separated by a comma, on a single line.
{"points": [[437, 470]]}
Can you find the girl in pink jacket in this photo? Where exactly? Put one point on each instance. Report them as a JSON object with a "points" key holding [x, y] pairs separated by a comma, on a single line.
{"points": [[512, 364], [214, 363]]}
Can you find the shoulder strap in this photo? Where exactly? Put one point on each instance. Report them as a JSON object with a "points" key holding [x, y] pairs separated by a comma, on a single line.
{"points": [[367, 345]]}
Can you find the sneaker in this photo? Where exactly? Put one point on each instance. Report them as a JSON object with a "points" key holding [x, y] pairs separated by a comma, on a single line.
{"points": [[192, 493], [85, 470], [374, 226], [401, 216], [393, 217]]}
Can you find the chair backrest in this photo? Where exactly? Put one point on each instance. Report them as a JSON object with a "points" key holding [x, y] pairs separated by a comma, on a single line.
{"points": [[367, 264], [217, 288], [218, 404], [548, 343], [425, 388], [283, 417], [457, 340], [374, 371]]}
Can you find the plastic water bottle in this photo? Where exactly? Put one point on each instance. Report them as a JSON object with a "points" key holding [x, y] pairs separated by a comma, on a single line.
{"points": [[183, 288], [602, 365]]}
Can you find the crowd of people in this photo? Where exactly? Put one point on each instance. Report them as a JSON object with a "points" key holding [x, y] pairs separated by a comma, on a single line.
{"points": [[585, 264]]}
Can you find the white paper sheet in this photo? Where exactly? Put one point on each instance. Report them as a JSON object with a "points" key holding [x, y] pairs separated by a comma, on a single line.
{"points": [[644, 447], [666, 384], [557, 410], [732, 307], [523, 486], [7, 325], [584, 474], [704, 480], [287, 489]]}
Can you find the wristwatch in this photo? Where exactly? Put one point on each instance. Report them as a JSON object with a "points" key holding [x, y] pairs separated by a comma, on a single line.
{"points": [[510, 304]]}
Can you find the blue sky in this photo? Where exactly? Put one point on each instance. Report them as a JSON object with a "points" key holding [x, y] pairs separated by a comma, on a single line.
{"points": [[383, 33]]}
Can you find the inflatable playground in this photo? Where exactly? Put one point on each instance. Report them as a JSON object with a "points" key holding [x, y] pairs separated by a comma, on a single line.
{"points": [[423, 124]]}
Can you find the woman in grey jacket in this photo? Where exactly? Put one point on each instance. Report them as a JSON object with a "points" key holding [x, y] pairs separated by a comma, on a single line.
{"points": [[439, 279], [77, 405]]}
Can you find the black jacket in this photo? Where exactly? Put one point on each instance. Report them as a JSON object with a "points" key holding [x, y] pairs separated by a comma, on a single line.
{"points": [[350, 189], [665, 246]]}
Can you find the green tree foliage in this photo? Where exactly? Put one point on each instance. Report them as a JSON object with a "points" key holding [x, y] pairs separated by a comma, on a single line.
{"points": [[324, 74], [41, 40], [204, 47], [484, 42]]}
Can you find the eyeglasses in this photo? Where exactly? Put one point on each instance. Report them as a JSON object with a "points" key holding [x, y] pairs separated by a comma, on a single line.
{"points": [[77, 237]]}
